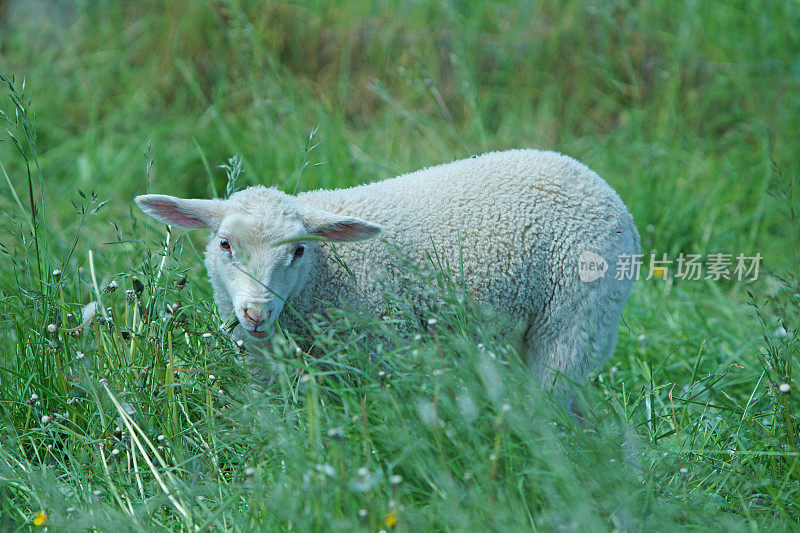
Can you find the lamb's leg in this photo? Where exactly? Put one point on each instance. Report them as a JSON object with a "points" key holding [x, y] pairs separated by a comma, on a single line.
{"points": [[564, 350]]}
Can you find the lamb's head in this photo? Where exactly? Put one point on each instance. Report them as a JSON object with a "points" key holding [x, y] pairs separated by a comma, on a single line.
{"points": [[263, 247]]}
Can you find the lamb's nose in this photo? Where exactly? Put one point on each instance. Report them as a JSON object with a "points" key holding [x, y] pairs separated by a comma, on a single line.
{"points": [[253, 316]]}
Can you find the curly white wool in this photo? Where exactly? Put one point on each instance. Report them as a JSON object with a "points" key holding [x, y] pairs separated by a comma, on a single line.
{"points": [[514, 222]]}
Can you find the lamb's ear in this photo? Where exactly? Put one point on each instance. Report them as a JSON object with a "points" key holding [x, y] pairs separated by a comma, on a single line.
{"points": [[184, 213], [338, 228]]}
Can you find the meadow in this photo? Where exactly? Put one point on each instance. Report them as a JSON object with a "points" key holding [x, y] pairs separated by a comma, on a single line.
{"points": [[144, 419]]}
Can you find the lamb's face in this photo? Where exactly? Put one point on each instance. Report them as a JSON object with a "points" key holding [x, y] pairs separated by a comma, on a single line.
{"points": [[263, 248], [257, 266]]}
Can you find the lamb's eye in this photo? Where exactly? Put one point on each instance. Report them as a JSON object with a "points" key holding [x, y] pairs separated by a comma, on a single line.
{"points": [[225, 245], [299, 251]]}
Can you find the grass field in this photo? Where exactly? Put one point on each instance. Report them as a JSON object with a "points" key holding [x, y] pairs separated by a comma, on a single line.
{"points": [[145, 421]]}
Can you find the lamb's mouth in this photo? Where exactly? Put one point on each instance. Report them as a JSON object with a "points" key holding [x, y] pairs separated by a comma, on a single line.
{"points": [[258, 334]]}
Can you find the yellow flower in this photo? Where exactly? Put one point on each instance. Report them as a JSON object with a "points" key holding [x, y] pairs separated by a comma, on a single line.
{"points": [[40, 519], [391, 518]]}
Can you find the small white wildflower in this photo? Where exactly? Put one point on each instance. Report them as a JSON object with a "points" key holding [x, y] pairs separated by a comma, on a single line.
{"points": [[206, 335], [396, 479], [467, 476], [49, 447], [305, 378], [785, 388], [34, 397], [113, 284], [417, 337], [240, 343], [506, 407], [432, 321], [362, 471], [297, 350], [79, 356], [115, 451], [438, 371], [211, 377], [46, 419], [160, 438], [325, 469], [249, 471], [642, 338], [492, 457], [684, 471], [89, 312], [336, 432], [160, 449], [56, 273], [97, 492], [52, 328], [381, 373], [781, 332], [362, 513], [415, 353]]}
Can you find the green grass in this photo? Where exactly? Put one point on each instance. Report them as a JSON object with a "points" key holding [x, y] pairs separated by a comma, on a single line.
{"points": [[689, 110]]}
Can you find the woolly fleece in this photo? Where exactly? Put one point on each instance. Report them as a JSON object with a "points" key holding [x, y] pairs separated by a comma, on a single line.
{"points": [[516, 220]]}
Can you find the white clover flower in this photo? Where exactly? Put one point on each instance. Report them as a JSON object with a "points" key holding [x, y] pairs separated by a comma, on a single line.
{"points": [[432, 321], [249, 471], [362, 513], [684, 471], [396, 479], [115, 451], [46, 419], [52, 328], [785, 388], [206, 335]]}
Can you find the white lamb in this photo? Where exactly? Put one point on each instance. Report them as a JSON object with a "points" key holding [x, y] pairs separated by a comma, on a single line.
{"points": [[514, 224]]}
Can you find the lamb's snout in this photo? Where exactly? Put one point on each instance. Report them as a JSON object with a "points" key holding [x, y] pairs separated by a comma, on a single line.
{"points": [[254, 316], [255, 319]]}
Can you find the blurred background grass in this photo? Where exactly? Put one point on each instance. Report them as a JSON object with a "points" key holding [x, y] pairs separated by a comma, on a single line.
{"points": [[679, 105], [689, 109]]}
